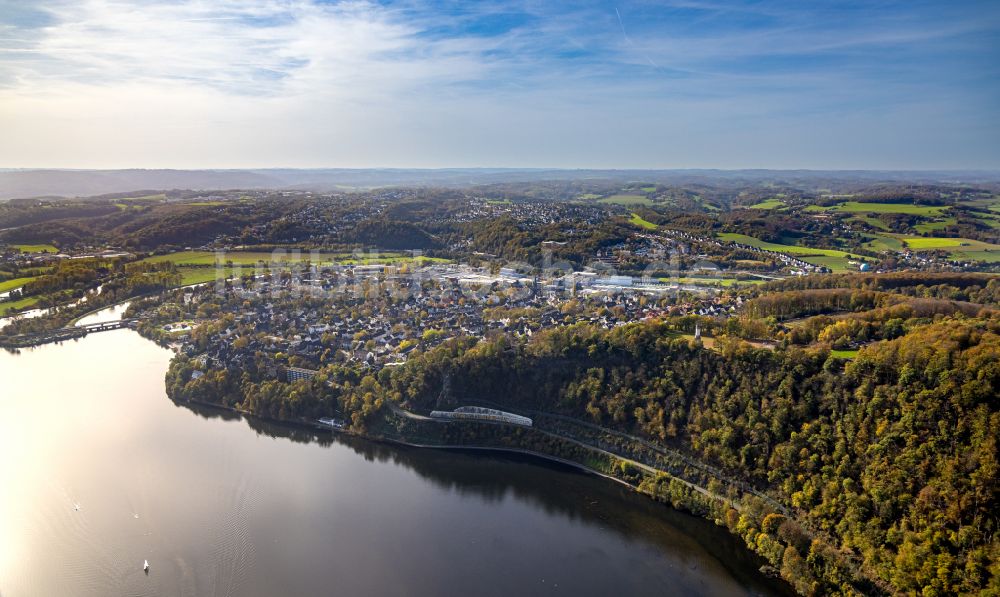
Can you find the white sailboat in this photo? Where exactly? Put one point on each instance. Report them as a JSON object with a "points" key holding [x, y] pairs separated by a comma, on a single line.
{"points": [[145, 566]]}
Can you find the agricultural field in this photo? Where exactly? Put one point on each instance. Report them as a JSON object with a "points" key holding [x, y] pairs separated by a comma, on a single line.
{"points": [[923, 243], [772, 203], [831, 258], [642, 223], [208, 258], [15, 283], [837, 265], [939, 224], [200, 275], [627, 200], [958, 248], [157, 197], [987, 256], [884, 208], [873, 222], [884, 242], [8, 307], [35, 248]]}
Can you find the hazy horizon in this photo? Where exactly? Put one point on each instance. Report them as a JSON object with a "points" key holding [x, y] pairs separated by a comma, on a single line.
{"points": [[543, 168], [253, 84]]}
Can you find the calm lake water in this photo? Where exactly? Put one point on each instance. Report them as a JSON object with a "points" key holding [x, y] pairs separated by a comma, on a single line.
{"points": [[99, 470]]}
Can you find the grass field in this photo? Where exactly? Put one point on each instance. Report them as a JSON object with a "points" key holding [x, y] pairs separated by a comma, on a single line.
{"points": [[844, 354], [724, 282], [991, 221], [157, 197], [199, 275], [887, 208], [831, 258], [627, 200], [587, 196], [769, 204], [884, 242], [706, 341], [642, 223], [935, 225], [918, 243], [207, 258], [36, 248], [15, 283], [8, 307], [873, 222], [958, 248], [992, 256]]}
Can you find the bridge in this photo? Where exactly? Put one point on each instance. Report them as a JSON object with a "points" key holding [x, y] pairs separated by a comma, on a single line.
{"points": [[65, 333]]}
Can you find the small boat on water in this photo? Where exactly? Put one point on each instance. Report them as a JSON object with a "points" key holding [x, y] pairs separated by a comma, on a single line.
{"points": [[145, 566]]}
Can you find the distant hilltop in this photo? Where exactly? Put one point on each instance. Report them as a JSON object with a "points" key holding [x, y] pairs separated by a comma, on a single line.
{"points": [[20, 183]]}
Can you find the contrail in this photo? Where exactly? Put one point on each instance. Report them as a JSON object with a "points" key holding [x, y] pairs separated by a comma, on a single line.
{"points": [[629, 40], [622, 24]]}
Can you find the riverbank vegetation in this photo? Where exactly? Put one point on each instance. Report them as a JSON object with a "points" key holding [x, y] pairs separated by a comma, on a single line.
{"points": [[88, 285]]}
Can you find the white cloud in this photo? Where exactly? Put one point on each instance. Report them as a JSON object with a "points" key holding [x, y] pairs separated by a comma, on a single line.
{"points": [[255, 83], [238, 46]]}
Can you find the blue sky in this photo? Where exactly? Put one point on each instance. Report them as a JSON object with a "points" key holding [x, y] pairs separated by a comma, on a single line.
{"points": [[674, 84]]}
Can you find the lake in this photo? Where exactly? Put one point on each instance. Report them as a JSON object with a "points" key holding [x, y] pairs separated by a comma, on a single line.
{"points": [[100, 471]]}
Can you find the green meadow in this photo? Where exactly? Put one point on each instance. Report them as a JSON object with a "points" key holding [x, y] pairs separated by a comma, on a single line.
{"points": [[18, 305], [873, 222], [887, 208], [884, 242], [157, 197], [939, 224], [15, 283], [769, 204], [642, 223], [831, 258], [208, 258], [958, 248], [36, 248], [627, 200]]}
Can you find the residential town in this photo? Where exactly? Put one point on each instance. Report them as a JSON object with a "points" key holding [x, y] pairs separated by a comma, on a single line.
{"points": [[376, 315]]}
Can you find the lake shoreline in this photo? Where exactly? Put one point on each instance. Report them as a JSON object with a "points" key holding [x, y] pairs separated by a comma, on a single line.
{"points": [[778, 584]]}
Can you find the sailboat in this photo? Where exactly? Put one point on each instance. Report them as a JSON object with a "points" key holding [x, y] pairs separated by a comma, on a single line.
{"points": [[145, 566]]}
